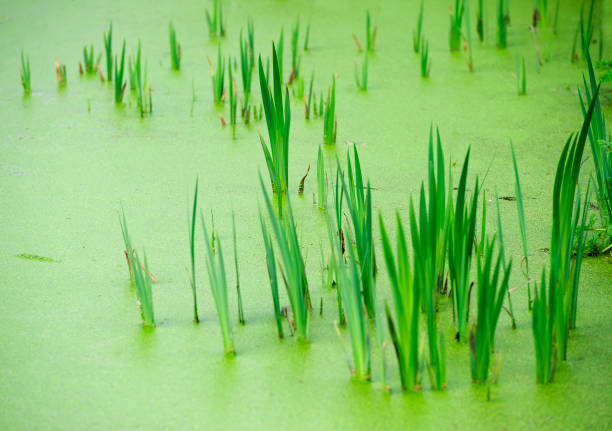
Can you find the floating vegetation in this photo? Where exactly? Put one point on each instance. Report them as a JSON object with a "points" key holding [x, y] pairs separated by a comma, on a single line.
{"points": [[25, 74], [362, 83], [215, 20], [175, 49], [119, 81], [108, 49], [330, 124], [218, 77], [60, 70], [144, 291]]}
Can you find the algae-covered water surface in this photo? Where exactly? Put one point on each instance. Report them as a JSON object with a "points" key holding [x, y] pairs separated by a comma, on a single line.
{"points": [[77, 166]]}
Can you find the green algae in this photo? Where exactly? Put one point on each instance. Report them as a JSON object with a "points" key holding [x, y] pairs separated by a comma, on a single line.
{"points": [[74, 354]]}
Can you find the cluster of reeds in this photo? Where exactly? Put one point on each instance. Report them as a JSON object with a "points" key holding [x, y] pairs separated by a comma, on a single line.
{"points": [[247, 65], [120, 83], [89, 65], [291, 265], [218, 77], [425, 61], [555, 304], [456, 21], [215, 20], [175, 48], [25, 74], [502, 29], [370, 35], [108, 49], [521, 77], [60, 70], [143, 90], [329, 122], [362, 83], [278, 120], [417, 34]]}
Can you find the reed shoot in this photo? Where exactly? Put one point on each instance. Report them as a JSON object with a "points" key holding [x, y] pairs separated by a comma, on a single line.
{"points": [[370, 34], [542, 325], [279, 52], [502, 29], [521, 76], [502, 253], [88, 60], [329, 122], [295, 53], [456, 21], [468, 36], [246, 68], [218, 286], [425, 61], [308, 101], [417, 34], [362, 83], [129, 250], [271, 266], [239, 295], [60, 70], [108, 49], [175, 49], [215, 20], [586, 28], [307, 37], [480, 20], [144, 291], [119, 81], [25, 74], [143, 90], [218, 77], [232, 98], [192, 278], [321, 181]]}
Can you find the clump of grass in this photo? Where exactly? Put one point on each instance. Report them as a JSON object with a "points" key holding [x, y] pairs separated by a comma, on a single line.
{"points": [[461, 249], [119, 82], [291, 264], [295, 53], [370, 35], [232, 98], [88, 60], [502, 24], [425, 61], [60, 70], [25, 74], [108, 49], [456, 21], [321, 181], [218, 286], [330, 124], [417, 34], [215, 20], [192, 275], [218, 77], [362, 83], [143, 90], [404, 329], [175, 49], [490, 298], [278, 119], [241, 319], [521, 77], [144, 291]]}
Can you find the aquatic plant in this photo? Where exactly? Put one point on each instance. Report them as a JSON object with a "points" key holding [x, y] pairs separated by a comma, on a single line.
{"points": [[144, 291], [329, 122], [218, 77], [456, 21], [370, 36], [25, 74], [143, 90], [108, 49], [321, 181], [88, 60], [417, 34], [279, 52], [307, 37], [60, 70], [425, 61], [295, 54], [468, 36], [215, 20], [246, 67], [291, 264], [271, 266], [129, 250], [278, 120], [232, 98], [119, 82], [308, 101], [502, 29], [500, 237], [362, 83], [490, 297], [192, 275], [406, 295], [542, 325], [480, 20], [521, 77], [175, 49], [238, 294], [218, 286]]}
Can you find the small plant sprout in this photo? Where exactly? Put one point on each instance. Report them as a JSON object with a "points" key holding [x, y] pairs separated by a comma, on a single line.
{"points": [[425, 61], [215, 20], [308, 101], [480, 20], [349, 287], [521, 76], [88, 60], [120, 83], [370, 36], [502, 24], [502, 253], [278, 119], [271, 266], [490, 298], [321, 181], [468, 36], [404, 329], [291, 264], [129, 250], [144, 291], [417, 34], [330, 124], [192, 274], [108, 50], [307, 37], [232, 98], [246, 70], [456, 21], [239, 295], [218, 286], [25, 74], [295, 52], [143, 90], [218, 77], [542, 325], [60, 70], [175, 49], [362, 83]]}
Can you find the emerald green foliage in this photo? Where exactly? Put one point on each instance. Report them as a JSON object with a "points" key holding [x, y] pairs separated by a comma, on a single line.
{"points": [[461, 249], [417, 34], [362, 83], [192, 278], [232, 98], [329, 122], [143, 290], [278, 120], [321, 181], [456, 21], [215, 20], [349, 283], [425, 61], [271, 266], [586, 28], [502, 29], [246, 65], [119, 82], [88, 59], [568, 229], [521, 76], [239, 295], [218, 77], [108, 42], [218, 286], [143, 90], [370, 34], [523, 228], [601, 150], [359, 204], [480, 20], [291, 264], [25, 74], [404, 329], [295, 53], [491, 289], [175, 49]]}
